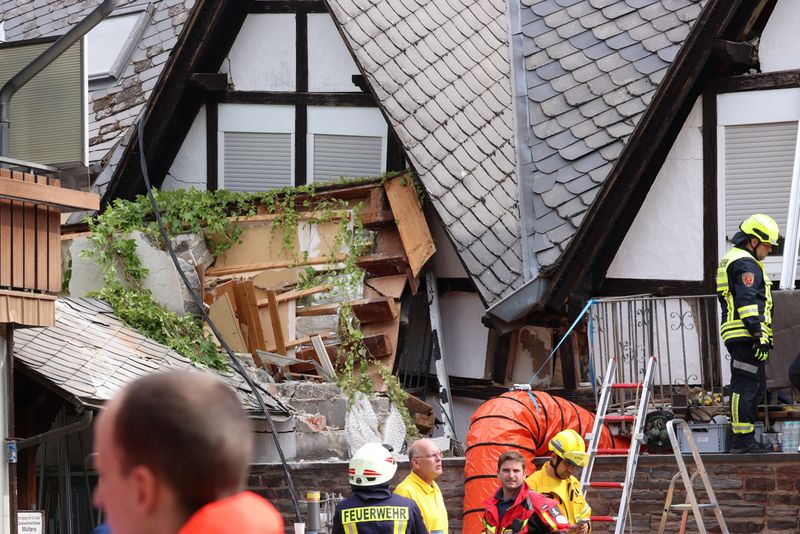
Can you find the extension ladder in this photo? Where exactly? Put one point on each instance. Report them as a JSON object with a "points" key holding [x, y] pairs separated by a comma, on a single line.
{"points": [[688, 483], [637, 438]]}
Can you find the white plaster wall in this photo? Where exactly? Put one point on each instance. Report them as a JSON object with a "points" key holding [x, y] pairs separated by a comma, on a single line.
{"points": [[330, 65], [532, 345], [465, 337], [780, 48], [189, 168], [445, 262], [665, 241], [463, 408], [262, 57]]}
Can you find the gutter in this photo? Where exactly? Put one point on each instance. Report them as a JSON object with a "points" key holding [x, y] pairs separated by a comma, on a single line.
{"points": [[43, 60]]}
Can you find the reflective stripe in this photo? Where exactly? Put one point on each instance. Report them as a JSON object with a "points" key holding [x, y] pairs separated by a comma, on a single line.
{"points": [[487, 527], [745, 366], [400, 527], [350, 528], [750, 310], [743, 428]]}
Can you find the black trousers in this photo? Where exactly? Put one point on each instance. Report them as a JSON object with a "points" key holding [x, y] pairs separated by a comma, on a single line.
{"points": [[748, 386]]}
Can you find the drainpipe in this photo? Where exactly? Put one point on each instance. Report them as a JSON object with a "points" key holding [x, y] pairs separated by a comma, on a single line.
{"points": [[37, 65], [84, 423]]}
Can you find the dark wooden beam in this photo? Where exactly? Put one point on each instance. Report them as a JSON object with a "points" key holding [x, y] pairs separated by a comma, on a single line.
{"points": [[619, 287], [210, 81], [208, 35], [300, 108], [710, 219], [751, 82], [741, 53], [395, 155], [288, 6], [212, 144], [605, 225], [292, 99]]}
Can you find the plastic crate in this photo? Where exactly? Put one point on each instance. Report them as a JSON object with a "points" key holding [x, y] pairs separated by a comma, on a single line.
{"points": [[709, 437]]}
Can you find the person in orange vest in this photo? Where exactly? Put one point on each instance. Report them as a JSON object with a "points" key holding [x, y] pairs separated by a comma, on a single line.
{"points": [[173, 452]]}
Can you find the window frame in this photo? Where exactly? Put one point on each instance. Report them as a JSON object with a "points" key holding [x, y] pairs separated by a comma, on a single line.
{"points": [[117, 67], [762, 107], [251, 118]]}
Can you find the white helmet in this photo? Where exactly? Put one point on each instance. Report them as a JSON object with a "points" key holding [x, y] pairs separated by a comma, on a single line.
{"points": [[371, 465]]}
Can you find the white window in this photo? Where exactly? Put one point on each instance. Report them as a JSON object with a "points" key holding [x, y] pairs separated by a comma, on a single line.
{"points": [[111, 43], [345, 143], [255, 147], [757, 147]]}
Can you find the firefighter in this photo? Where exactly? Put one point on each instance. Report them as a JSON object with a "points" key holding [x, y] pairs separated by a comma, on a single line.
{"points": [[556, 480], [514, 508], [373, 508], [744, 292]]}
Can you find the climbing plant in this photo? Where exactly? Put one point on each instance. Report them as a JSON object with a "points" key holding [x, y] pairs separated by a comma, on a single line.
{"points": [[212, 214]]}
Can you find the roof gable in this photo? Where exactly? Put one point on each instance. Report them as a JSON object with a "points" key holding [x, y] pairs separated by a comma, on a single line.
{"points": [[591, 69], [440, 70]]}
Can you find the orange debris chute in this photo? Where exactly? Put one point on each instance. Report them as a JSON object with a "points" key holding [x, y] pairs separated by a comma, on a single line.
{"points": [[523, 421]]}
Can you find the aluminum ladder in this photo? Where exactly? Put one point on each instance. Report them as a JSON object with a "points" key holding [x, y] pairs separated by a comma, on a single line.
{"points": [[637, 438], [688, 482]]}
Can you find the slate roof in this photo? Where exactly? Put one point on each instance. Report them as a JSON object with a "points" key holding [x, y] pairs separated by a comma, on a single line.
{"points": [[440, 69], [590, 68], [91, 355], [112, 109]]}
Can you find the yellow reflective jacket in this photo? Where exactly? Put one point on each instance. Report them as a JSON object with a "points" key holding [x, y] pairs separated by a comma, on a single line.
{"points": [[567, 493], [745, 295]]}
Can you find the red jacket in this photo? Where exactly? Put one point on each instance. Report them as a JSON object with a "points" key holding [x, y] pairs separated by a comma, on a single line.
{"points": [[244, 513], [536, 513]]}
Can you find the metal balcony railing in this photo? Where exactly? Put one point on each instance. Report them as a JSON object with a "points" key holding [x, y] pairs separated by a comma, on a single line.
{"points": [[680, 331]]}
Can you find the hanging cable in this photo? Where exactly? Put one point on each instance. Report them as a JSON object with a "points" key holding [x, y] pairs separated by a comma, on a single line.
{"points": [[199, 303]]}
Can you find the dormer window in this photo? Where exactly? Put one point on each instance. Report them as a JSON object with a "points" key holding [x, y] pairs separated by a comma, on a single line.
{"points": [[111, 43]]}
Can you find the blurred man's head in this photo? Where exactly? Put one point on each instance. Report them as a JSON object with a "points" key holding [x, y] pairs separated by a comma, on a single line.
{"points": [[426, 460], [511, 472], [167, 445]]}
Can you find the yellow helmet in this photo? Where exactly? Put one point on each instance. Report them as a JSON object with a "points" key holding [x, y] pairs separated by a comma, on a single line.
{"points": [[762, 227], [570, 446]]}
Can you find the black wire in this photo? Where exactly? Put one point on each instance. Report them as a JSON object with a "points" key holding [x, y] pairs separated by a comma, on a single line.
{"points": [[199, 303]]}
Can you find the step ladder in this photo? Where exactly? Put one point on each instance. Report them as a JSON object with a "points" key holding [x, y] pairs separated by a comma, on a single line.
{"points": [[644, 389], [688, 482]]}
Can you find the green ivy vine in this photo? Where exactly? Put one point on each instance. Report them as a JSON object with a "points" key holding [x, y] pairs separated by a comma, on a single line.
{"points": [[212, 214]]}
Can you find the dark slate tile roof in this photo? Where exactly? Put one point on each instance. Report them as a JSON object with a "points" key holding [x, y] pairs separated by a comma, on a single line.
{"points": [[591, 68], [440, 69], [112, 109], [90, 354]]}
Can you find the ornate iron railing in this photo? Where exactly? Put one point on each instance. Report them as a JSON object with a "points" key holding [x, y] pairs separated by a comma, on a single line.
{"points": [[680, 331]]}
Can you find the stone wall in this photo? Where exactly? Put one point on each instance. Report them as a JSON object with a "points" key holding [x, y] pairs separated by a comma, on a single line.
{"points": [[759, 493]]}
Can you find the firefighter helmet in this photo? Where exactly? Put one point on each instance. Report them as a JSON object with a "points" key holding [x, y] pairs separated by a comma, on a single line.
{"points": [[762, 227], [569, 445], [371, 465]]}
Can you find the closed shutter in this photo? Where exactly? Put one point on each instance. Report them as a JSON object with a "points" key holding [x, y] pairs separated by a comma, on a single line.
{"points": [[351, 156], [758, 172], [257, 161]]}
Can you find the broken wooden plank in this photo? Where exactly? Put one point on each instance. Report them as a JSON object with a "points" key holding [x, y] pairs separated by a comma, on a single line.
{"points": [[297, 295], [385, 286], [384, 263], [257, 244], [248, 314], [237, 269], [336, 215], [424, 422], [376, 213], [277, 325], [417, 405], [221, 314], [322, 356], [411, 223], [226, 288], [378, 346], [366, 310]]}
